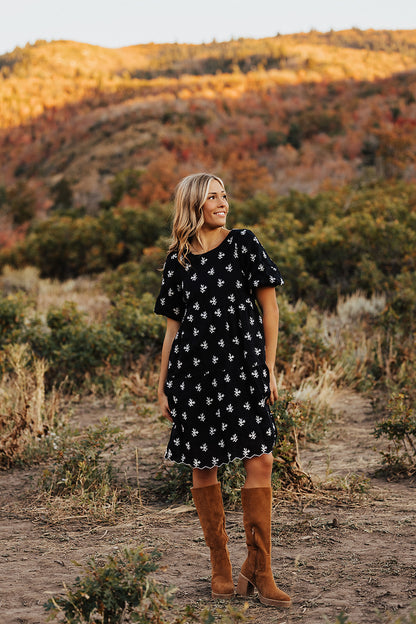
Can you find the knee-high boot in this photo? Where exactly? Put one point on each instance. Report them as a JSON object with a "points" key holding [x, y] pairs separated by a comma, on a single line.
{"points": [[208, 503], [256, 571]]}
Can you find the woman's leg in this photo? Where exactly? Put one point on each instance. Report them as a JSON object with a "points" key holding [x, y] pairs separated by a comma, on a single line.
{"points": [[258, 471], [206, 493], [202, 477], [256, 499]]}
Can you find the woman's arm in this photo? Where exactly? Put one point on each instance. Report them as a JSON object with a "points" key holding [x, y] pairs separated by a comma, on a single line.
{"points": [[172, 328], [266, 298]]}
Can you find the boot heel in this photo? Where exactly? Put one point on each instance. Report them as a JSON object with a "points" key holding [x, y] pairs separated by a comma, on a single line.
{"points": [[244, 586]]}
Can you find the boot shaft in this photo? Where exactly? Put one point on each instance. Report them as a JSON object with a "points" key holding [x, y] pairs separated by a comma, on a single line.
{"points": [[210, 509], [208, 503]]}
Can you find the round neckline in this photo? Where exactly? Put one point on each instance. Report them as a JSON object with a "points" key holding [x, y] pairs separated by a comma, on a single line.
{"points": [[213, 249]]}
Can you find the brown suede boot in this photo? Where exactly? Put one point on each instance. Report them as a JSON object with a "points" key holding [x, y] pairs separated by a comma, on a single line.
{"points": [[208, 503], [256, 571]]}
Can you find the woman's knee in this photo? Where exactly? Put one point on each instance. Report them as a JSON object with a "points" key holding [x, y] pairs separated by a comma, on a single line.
{"points": [[203, 477], [260, 467]]}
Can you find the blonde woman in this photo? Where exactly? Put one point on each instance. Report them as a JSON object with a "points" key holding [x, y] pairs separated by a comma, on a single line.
{"points": [[217, 374]]}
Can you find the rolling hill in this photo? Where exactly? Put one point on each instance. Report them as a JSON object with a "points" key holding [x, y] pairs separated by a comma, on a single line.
{"points": [[85, 127]]}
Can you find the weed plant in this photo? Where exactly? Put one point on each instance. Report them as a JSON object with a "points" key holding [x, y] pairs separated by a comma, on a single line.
{"points": [[27, 416], [400, 429], [107, 593], [173, 483], [122, 590], [353, 487], [291, 419], [83, 471]]}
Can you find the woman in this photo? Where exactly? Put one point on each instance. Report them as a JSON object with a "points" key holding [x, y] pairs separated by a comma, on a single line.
{"points": [[217, 373]]}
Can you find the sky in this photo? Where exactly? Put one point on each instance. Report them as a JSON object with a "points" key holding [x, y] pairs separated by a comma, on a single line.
{"points": [[117, 23]]}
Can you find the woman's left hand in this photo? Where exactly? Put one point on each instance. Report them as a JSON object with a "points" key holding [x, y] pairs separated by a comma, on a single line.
{"points": [[274, 393]]}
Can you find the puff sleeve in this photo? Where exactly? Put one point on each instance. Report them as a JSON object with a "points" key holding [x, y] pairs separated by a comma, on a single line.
{"points": [[259, 268], [170, 301]]}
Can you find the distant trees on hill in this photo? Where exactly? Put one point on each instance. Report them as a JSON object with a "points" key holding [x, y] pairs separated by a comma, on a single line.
{"points": [[308, 112]]}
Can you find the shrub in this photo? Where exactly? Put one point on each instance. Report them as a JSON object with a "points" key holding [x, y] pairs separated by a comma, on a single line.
{"points": [[174, 483], [68, 245], [74, 349], [121, 590], [141, 332], [400, 428], [106, 593], [12, 315], [15, 280], [302, 351], [136, 278], [27, 416], [80, 467], [77, 352], [291, 419]]}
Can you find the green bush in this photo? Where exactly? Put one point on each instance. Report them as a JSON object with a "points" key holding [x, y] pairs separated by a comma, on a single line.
{"points": [[122, 590], [109, 593], [400, 429], [78, 352], [81, 468], [12, 318], [140, 332], [331, 244], [73, 348], [136, 278], [67, 246]]}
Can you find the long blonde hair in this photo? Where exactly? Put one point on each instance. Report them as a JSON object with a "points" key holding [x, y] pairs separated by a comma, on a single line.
{"points": [[190, 196]]}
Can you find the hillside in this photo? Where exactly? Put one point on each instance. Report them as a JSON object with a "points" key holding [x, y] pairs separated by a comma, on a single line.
{"points": [[305, 111]]}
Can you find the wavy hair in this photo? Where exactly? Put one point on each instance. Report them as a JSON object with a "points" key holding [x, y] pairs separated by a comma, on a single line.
{"points": [[190, 196]]}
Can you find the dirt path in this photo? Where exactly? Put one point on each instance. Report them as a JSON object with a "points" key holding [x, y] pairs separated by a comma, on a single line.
{"points": [[356, 556]]}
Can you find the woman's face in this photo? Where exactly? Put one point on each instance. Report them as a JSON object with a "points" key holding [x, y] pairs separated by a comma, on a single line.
{"points": [[215, 208]]}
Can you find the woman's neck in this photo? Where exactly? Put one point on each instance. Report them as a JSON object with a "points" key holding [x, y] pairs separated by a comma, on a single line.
{"points": [[210, 238]]}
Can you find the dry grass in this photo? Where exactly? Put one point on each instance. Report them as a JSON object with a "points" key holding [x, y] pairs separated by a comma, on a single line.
{"points": [[26, 414], [354, 341], [355, 307], [14, 280], [85, 292]]}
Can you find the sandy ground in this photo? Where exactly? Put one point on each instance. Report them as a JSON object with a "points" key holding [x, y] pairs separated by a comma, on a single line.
{"points": [[332, 553]]}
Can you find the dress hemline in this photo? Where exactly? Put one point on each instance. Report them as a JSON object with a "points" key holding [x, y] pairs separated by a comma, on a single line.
{"points": [[225, 463]]}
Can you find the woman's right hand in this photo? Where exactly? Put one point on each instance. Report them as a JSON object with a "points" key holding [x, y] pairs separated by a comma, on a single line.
{"points": [[164, 406]]}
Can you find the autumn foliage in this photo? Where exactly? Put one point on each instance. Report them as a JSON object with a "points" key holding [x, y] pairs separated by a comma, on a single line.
{"points": [[301, 112]]}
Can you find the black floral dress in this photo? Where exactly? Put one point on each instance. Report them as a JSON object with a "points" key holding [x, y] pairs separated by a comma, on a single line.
{"points": [[218, 382]]}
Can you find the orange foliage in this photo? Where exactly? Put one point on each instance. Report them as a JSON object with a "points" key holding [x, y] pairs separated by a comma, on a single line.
{"points": [[297, 111]]}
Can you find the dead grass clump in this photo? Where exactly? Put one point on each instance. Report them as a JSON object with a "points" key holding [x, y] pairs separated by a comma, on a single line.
{"points": [[351, 309], [363, 351], [82, 479], [351, 487], [315, 395], [26, 413], [15, 280], [141, 384], [84, 291]]}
